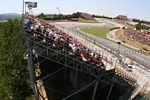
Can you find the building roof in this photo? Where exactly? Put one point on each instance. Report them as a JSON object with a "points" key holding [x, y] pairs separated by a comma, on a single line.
{"points": [[121, 17], [86, 16]]}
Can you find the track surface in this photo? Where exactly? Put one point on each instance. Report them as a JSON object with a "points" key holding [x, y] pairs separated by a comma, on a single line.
{"points": [[135, 56]]}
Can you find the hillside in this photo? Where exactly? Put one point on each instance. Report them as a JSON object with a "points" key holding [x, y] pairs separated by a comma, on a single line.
{"points": [[7, 16]]}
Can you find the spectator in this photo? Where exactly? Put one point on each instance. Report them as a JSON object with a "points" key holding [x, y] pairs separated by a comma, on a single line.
{"points": [[47, 33]]}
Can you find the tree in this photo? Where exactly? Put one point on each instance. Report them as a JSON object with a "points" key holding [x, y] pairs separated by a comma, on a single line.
{"points": [[13, 73], [42, 16], [138, 26], [76, 15], [141, 26]]}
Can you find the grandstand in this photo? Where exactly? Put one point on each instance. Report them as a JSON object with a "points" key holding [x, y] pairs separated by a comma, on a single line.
{"points": [[138, 36], [61, 59]]}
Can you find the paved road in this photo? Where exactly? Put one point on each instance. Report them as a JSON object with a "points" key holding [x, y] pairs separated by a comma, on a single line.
{"points": [[112, 37], [135, 56]]}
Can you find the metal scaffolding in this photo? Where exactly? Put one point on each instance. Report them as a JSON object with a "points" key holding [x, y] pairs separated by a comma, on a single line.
{"points": [[60, 56]]}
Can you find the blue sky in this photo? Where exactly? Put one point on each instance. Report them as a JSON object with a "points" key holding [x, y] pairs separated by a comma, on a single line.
{"points": [[131, 8]]}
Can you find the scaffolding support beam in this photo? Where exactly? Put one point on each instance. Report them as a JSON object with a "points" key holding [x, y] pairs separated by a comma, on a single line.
{"points": [[46, 51], [109, 92], [51, 73], [95, 89], [79, 90], [31, 68]]}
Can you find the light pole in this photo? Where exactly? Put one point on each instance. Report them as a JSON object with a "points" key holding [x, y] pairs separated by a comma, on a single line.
{"points": [[59, 13], [58, 10], [22, 8], [22, 22], [25, 6], [30, 56]]}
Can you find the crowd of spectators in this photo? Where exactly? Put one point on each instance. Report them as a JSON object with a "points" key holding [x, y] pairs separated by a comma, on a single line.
{"points": [[138, 36], [48, 33]]}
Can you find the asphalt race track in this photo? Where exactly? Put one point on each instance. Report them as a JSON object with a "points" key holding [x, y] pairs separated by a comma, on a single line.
{"points": [[135, 56]]}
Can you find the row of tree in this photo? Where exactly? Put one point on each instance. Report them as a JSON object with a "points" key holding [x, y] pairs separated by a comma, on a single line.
{"points": [[14, 78], [98, 16], [142, 21], [58, 16], [140, 26], [67, 17]]}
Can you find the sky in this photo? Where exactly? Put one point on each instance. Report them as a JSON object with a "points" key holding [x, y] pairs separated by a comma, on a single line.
{"points": [[132, 8]]}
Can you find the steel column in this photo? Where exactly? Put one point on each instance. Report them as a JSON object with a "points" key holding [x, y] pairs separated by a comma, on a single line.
{"points": [[95, 89], [109, 92], [31, 68], [79, 90]]}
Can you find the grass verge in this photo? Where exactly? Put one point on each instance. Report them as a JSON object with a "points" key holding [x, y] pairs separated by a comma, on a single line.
{"points": [[87, 21]]}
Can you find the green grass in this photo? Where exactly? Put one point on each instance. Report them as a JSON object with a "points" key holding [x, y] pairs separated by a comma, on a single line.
{"points": [[97, 31], [87, 21]]}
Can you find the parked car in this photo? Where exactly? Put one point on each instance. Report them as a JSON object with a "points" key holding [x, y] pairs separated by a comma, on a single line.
{"points": [[128, 67]]}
